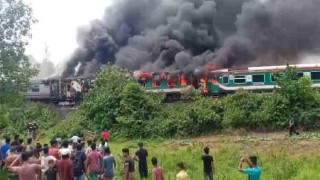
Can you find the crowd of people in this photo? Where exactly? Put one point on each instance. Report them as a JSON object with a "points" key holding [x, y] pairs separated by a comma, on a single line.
{"points": [[73, 159]]}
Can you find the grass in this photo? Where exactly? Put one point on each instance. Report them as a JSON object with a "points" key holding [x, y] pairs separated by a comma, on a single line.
{"points": [[281, 158]]}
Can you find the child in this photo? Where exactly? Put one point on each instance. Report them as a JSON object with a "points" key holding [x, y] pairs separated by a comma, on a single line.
{"points": [[157, 172], [51, 173]]}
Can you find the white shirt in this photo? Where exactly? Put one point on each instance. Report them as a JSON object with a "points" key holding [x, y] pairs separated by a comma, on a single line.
{"points": [[45, 162], [75, 139]]}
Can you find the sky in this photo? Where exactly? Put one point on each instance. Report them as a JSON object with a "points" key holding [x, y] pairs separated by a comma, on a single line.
{"points": [[57, 25]]}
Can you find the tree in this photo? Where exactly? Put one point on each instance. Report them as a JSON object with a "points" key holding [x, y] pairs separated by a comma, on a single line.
{"points": [[15, 24]]}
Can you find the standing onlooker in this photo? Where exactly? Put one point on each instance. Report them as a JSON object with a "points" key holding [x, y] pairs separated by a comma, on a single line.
{"points": [[182, 174], [128, 165], [105, 135], [29, 147], [27, 169], [65, 166], [54, 150], [108, 164], [45, 161], [4, 149], [34, 159], [142, 155], [208, 166], [51, 173], [75, 139], [65, 148], [88, 149], [15, 141], [9, 162], [157, 172], [94, 163], [254, 171], [102, 146], [79, 159]]}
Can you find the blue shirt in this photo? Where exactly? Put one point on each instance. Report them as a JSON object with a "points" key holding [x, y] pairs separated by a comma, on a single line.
{"points": [[254, 173], [108, 166], [4, 149]]}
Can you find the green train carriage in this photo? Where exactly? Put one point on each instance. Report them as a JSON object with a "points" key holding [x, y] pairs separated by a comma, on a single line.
{"points": [[256, 79]]}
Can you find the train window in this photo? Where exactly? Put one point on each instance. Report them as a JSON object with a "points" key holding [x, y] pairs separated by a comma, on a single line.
{"points": [[239, 79], [258, 78], [35, 88], [225, 80], [300, 74], [315, 75], [273, 78]]}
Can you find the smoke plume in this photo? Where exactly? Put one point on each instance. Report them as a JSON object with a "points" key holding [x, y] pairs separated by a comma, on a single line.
{"points": [[189, 34]]}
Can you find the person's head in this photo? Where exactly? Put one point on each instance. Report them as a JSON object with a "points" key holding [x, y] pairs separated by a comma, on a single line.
{"points": [[65, 144], [140, 144], [25, 156], [89, 142], [36, 153], [206, 150], [79, 147], [29, 141], [93, 146], [21, 141], [39, 147], [53, 143], [70, 141], [107, 150], [254, 160], [19, 148], [154, 161], [16, 137], [45, 150], [51, 163], [13, 150], [79, 141], [180, 166], [103, 143], [8, 140], [125, 152]]}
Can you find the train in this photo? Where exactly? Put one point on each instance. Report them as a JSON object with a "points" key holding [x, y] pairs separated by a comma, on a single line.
{"points": [[59, 91], [220, 82], [212, 82]]}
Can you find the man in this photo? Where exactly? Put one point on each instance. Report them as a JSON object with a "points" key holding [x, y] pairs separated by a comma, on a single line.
{"points": [[254, 171], [208, 167], [27, 170], [65, 166], [29, 147], [79, 163], [45, 161], [4, 149], [53, 150], [109, 164], [9, 162], [105, 135], [292, 128], [157, 172], [128, 165], [94, 162], [15, 142], [142, 155], [65, 148], [75, 138], [182, 174]]}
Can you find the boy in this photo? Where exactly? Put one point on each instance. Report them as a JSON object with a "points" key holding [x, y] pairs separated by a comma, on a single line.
{"points": [[208, 168], [254, 171], [182, 174], [157, 172]]}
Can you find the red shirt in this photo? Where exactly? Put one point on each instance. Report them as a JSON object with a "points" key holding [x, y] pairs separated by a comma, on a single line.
{"points": [[65, 169], [94, 161], [105, 135], [53, 151]]}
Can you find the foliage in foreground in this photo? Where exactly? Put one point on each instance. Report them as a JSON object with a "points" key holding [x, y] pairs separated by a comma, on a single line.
{"points": [[121, 105]]}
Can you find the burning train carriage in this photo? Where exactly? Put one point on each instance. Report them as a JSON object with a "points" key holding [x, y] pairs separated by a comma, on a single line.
{"points": [[67, 91]]}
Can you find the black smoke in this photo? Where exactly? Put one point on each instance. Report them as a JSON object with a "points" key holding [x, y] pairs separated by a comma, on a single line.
{"points": [[188, 34]]}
